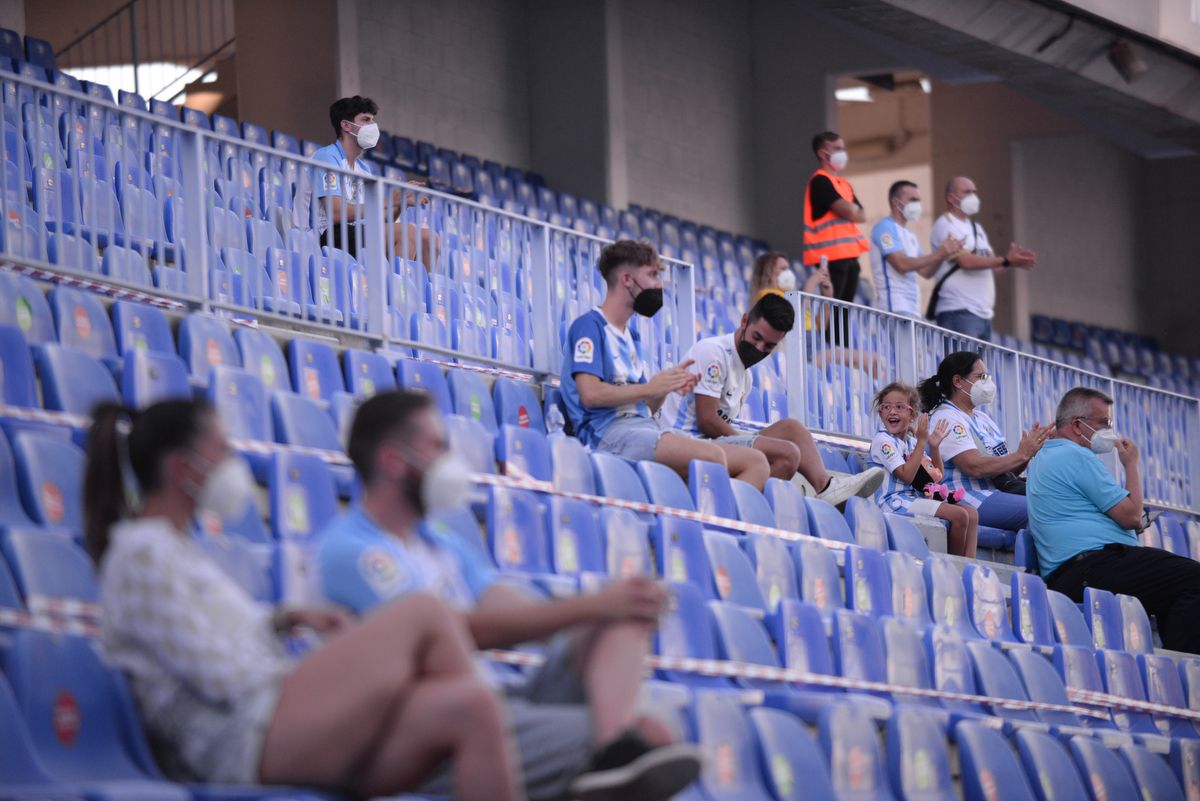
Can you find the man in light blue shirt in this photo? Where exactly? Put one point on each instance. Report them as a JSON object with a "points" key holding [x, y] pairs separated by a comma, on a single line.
{"points": [[575, 721], [1083, 522], [896, 257]]}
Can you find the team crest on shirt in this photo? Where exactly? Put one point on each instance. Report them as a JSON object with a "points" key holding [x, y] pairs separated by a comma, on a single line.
{"points": [[585, 350], [713, 372], [958, 430], [329, 180], [381, 571], [888, 450], [887, 241]]}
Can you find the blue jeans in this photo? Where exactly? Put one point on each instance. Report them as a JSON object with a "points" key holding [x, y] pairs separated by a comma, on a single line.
{"points": [[964, 322], [1004, 510]]}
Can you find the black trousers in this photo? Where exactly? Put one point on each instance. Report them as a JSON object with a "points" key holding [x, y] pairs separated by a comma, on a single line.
{"points": [[1166, 584], [843, 274]]}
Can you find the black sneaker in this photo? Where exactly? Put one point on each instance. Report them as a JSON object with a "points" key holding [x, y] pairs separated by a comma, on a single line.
{"points": [[627, 769]]}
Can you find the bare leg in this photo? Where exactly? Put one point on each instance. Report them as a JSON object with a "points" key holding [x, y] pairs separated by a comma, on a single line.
{"points": [[747, 464], [677, 452], [336, 708], [964, 528], [811, 466], [611, 661]]}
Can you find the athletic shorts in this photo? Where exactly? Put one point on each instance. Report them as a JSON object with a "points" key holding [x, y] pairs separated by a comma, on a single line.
{"points": [[632, 437]]}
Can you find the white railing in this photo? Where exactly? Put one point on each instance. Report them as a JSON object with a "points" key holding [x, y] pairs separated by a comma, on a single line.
{"points": [[500, 289]]}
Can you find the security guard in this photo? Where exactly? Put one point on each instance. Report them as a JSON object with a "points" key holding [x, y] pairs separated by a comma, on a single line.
{"points": [[831, 210]]}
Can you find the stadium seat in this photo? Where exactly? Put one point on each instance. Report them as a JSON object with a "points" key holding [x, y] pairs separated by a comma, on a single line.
{"points": [[525, 449], [732, 574], [947, 598], [711, 490], [151, 376], [367, 373], [1103, 616], [140, 327], [204, 343], [19, 386], [262, 357], [25, 307], [903, 535], [626, 543], [73, 381], [917, 757], [472, 442], [986, 604], [1069, 626], [731, 768], [1048, 765], [1120, 675], [820, 583], [616, 478], [22, 773], [471, 399], [49, 472], [1107, 777], [516, 405], [303, 497], [867, 524], [571, 464], [989, 767], [1174, 538], [1185, 763], [1151, 774], [82, 323], [789, 758], [752, 507], [951, 669], [909, 598], [516, 528], [868, 588], [788, 504], [314, 367], [773, 569], [907, 665], [576, 546], [826, 522], [663, 486], [48, 564], [239, 398], [996, 677], [1032, 622], [686, 630], [1163, 686], [1135, 625], [425, 377], [852, 747]]}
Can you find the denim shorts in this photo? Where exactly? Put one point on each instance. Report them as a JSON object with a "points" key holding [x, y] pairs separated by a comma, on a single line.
{"points": [[632, 437]]}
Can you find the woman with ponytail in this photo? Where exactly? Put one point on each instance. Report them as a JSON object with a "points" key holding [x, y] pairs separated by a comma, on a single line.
{"points": [[974, 451], [371, 712]]}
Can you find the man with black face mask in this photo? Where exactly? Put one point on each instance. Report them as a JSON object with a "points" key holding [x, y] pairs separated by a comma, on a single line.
{"points": [[722, 365], [609, 398]]}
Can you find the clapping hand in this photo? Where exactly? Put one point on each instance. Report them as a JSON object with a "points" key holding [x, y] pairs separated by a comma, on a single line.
{"points": [[939, 433], [1032, 440], [1021, 257], [674, 379]]}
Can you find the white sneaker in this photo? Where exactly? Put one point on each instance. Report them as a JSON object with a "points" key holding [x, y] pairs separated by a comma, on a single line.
{"points": [[842, 486]]}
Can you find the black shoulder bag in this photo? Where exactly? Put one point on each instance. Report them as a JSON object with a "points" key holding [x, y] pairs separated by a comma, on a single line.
{"points": [[931, 310]]}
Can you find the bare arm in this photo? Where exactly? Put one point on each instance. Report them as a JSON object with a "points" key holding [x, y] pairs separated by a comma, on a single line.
{"points": [[979, 465], [335, 209], [597, 394], [1128, 512], [927, 263], [708, 420], [848, 211]]}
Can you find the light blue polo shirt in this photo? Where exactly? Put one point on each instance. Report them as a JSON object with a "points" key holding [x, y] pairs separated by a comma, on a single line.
{"points": [[1069, 492], [334, 183], [362, 566]]}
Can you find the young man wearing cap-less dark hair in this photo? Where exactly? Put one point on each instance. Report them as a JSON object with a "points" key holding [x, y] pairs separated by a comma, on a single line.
{"points": [[722, 365], [609, 398]]}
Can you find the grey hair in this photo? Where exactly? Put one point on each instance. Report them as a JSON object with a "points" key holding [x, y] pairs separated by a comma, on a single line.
{"points": [[1075, 404]]}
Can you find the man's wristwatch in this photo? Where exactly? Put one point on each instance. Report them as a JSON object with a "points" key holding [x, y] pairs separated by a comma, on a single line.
{"points": [[1006, 262]]}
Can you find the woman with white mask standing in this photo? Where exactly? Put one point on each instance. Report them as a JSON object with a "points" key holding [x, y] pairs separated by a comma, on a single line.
{"points": [[974, 451]]}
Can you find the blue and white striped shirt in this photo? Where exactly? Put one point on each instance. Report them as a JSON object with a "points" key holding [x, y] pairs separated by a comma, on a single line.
{"points": [[890, 452], [976, 432]]}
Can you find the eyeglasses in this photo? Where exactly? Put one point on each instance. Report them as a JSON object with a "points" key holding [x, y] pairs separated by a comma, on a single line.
{"points": [[894, 407], [1105, 422], [980, 377]]}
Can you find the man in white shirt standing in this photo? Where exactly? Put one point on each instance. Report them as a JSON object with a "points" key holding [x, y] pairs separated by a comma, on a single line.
{"points": [[896, 256], [964, 289], [710, 410]]}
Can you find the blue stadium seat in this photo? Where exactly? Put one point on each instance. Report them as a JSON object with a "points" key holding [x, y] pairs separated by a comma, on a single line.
{"points": [[314, 367], [39, 53], [12, 512], [247, 526], [851, 745], [10, 44], [517, 536], [858, 647], [472, 442], [866, 523], [471, 398], [664, 486], [572, 465], [367, 373], [97, 747], [82, 323], [1069, 625], [686, 630], [616, 479], [773, 569], [26, 308], [303, 496], [1051, 772], [909, 598], [711, 490], [425, 377], [262, 357], [301, 421], [820, 583], [1107, 777], [526, 449], [752, 507], [791, 763], [1135, 625], [239, 398], [150, 376], [1119, 673], [1103, 616], [1151, 774], [947, 598], [986, 604], [22, 773], [741, 638], [833, 459], [50, 477], [868, 583], [1025, 551], [576, 546], [1163, 686], [680, 553], [996, 677], [989, 767], [204, 343], [138, 326], [907, 665], [732, 573], [72, 251], [19, 386], [1174, 537], [516, 405], [1185, 763], [1032, 623], [731, 767], [788, 504], [48, 564], [917, 757], [626, 544], [903, 535], [950, 667], [825, 521]]}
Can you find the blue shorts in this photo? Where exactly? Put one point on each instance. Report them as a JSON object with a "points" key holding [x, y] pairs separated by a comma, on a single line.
{"points": [[632, 437]]}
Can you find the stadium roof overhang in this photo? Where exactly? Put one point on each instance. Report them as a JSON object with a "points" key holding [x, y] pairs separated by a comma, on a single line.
{"points": [[1048, 51]]}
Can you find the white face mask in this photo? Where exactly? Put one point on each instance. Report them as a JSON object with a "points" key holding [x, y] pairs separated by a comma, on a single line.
{"points": [[912, 210], [839, 160], [786, 280], [226, 490], [983, 391], [368, 135], [1102, 441], [969, 205], [445, 483]]}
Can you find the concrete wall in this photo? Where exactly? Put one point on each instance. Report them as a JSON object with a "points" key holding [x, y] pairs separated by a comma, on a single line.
{"points": [[1165, 270]]}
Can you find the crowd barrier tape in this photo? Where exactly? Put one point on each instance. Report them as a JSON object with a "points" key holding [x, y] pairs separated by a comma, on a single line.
{"points": [[17, 618], [111, 290]]}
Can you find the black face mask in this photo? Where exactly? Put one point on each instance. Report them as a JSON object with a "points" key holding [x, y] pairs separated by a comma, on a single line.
{"points": [[647, 302], [749, 354]]}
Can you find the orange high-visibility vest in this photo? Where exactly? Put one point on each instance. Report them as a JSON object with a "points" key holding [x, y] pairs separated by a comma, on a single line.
{"points": [[831, 236]]}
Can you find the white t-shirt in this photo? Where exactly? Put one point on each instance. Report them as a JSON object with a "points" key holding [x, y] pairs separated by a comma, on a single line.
{"points": [[968, 432], [722, 376], [966, 290]]}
